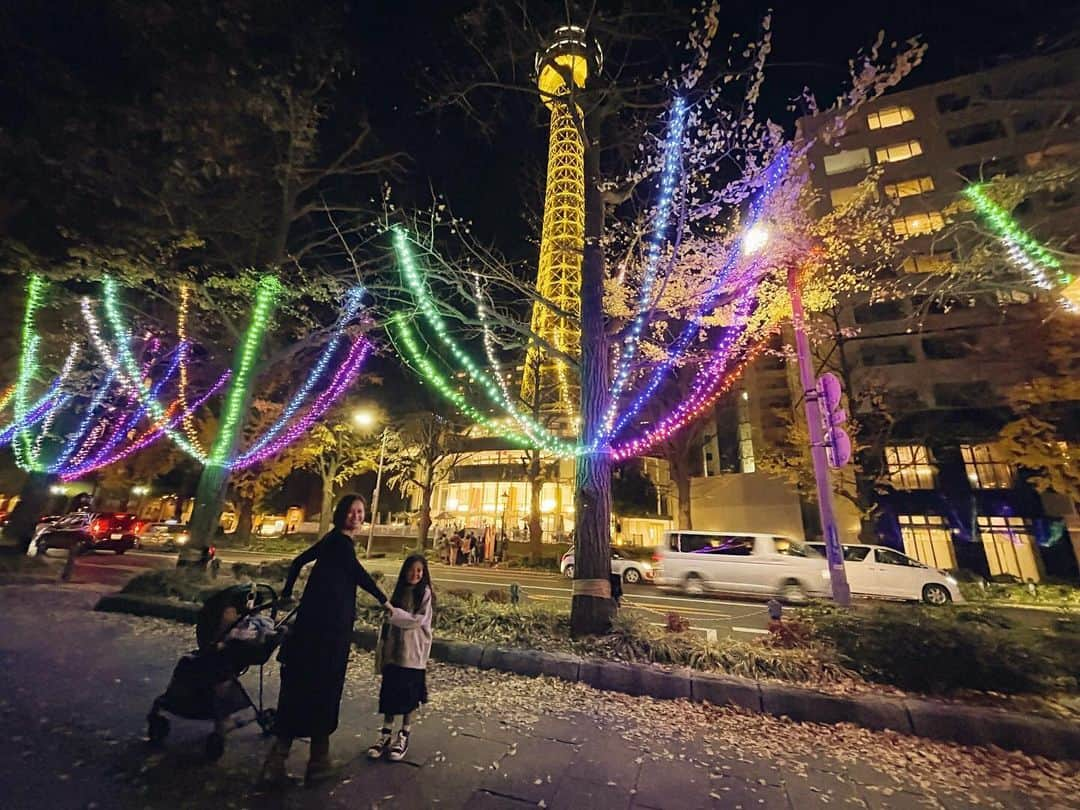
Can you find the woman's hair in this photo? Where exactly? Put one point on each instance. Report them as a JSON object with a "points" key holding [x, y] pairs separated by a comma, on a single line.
{"points": [[341, 511], [411, 601]]}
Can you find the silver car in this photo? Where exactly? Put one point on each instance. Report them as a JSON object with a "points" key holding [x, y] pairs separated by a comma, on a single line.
{"points": [[884, 573], [632, 567]]}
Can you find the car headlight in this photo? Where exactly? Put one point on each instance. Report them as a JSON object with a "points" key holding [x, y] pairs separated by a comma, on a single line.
{"points": [[951, 579], [181, 538]]}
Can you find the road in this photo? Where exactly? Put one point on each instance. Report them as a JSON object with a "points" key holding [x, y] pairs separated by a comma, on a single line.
{"points": [[711, 616], [707, 615]]}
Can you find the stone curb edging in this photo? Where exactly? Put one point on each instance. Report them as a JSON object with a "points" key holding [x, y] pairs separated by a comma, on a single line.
{"points": [[968, 725]]}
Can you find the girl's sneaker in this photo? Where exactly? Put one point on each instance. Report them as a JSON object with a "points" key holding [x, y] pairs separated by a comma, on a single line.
{"points": [[400, 746], [381, 746]]}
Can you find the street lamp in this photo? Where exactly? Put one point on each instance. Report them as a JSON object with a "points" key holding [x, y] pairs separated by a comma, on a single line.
{"points": [[367, 419], [754, 241]]}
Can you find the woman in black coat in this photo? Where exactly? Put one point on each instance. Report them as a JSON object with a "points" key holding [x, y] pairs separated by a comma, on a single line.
{"points": [[316, 651]]}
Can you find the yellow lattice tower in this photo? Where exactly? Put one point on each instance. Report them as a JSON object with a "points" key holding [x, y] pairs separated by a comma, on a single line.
{"points": [[561, 68]]}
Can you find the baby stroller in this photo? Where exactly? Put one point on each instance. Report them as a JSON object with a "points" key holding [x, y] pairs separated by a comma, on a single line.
{"points": [[205, 684]]}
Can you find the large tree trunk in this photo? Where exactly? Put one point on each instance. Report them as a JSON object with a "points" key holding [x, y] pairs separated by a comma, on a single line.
{"points": [[209, 498], [536, 529], [245, 518], [424, 526], [33, 499], [326, 509], [592, 606], [679, 465]]}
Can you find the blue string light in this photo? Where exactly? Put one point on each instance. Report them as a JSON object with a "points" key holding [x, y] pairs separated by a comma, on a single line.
{"points": [[773, 175], [84, 427], [353, 300], [672, 162]]}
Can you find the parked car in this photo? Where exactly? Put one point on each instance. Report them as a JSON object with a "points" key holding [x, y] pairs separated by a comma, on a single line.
{"points": [[882, 572], [633, 567], [165, 536], [88, 531], [740, 563]]}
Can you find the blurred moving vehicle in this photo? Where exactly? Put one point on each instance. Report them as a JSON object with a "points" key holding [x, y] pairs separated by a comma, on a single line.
{"points": [[164, 536], [740, 563], [884, 573], [87, 531], [632, 565]]}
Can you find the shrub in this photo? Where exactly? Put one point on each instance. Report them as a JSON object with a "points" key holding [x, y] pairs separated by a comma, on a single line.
{"points": [[185, 584], [677, 623], [498, 596], [463, 594], [934, 650]]}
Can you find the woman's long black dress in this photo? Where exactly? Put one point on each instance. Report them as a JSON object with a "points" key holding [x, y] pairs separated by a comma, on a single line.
{"points": [[315, 654]]}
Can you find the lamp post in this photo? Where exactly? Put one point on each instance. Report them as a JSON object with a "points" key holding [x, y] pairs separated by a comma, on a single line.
{"points": [[367, 419], [811, 397], [753, 242]]}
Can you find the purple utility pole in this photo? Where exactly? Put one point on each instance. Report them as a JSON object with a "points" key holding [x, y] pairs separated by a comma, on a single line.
{"points": [[811, 396]]}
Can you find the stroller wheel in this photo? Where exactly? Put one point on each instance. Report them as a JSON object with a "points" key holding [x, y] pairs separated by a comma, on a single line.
{"points": [[266, 719], [215, 746], [157, 728]]}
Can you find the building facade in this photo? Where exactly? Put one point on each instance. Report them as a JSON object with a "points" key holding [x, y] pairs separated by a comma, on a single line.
{"points": [[927, 370]]}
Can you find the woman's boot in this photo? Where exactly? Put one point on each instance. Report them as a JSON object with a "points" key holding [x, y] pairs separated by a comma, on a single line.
{"points": [[274, 771], [319, 765]]}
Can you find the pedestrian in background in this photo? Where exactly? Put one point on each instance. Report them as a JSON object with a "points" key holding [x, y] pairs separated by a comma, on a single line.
{"points": [[316, 651]]}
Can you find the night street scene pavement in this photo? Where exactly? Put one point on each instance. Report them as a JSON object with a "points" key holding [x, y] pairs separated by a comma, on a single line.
{"points": [[76, 687]]}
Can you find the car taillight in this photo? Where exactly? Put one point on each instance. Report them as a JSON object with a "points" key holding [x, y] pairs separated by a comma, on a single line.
{"points": [[139, 528], [655, 557], [99, 527], [212, 552]]}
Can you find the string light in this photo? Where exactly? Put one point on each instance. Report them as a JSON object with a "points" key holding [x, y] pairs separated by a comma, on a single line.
{"points": [[436, 380], [353, 300], [236, 399], [672, 161], [35, 414], [128, 369], [5, 397], [773, 175], [46, 423], [28, 367], [85, 426], [146, 439], [1042, 266], [537, 433], [188, 420]]}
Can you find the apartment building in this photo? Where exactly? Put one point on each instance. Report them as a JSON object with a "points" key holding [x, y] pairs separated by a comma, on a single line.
{"points": [[927, 371]]}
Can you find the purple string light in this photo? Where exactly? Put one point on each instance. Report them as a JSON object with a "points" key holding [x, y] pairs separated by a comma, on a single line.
{"points": [[346, 373]]}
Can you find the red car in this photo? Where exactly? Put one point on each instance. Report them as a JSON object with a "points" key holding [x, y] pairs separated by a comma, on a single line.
{"points": [[89, 531]]}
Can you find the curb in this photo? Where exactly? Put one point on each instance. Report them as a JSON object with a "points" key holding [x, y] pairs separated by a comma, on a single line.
{"points": [[967, 725]]}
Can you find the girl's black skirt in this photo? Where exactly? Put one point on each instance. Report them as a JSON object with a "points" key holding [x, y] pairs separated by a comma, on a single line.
{"points": [[403, 689]]}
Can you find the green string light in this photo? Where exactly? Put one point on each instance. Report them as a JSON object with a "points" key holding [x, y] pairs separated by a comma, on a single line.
{"points": [[536, 434], [406, 337], [243, 373], [28, 368], [131, 374]]}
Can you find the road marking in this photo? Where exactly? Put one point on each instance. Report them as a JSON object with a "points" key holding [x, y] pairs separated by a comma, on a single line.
{"points": [[754, 630]]}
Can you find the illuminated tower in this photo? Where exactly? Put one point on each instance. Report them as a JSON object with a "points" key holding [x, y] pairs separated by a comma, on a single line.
{"points": [[561, 70]]}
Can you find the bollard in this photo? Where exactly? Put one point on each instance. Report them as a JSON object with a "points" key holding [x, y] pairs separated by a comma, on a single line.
{"points": [[775, 609], [515, 593]]}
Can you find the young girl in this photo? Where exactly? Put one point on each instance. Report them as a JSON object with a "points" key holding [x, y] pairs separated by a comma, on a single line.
{"points": [[404, 647]]}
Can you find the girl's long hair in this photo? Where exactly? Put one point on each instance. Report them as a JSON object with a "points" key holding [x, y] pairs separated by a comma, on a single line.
{"points": [[402, 594]]}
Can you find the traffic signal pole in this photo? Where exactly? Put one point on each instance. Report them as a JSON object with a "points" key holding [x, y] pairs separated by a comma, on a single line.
{"points": [[811, 397]]}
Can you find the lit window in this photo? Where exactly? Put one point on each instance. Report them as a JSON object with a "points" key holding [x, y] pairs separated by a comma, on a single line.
{"points": [[847, 161], [915, 224], [985, 469], [839, 196], [908, 466], [894, 153], [909, 188], [927, 263], [927, 538], [1010, 547], [889, 117]]}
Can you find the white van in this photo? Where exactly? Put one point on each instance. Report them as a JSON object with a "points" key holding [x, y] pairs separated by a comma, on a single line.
{"points": [[740, 563]]}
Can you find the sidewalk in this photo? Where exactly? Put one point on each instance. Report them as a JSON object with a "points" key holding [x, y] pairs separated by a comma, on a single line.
{"points": [[75, 686]]}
